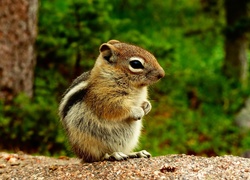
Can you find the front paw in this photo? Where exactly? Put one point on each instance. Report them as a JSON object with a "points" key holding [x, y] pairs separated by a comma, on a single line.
{"points": [[137, 113], [146, 106]]}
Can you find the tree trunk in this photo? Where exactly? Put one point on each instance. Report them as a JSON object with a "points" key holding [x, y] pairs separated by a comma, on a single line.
{"points": [[18, 30], [236, 42]]}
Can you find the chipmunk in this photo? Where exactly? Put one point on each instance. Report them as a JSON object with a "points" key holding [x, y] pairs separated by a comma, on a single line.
{"points": [[102, 110]]}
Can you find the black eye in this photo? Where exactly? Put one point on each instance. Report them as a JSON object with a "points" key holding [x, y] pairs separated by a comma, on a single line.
{"points": [[136, 64]]}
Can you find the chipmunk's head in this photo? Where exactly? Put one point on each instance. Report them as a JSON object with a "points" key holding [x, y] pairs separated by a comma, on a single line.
{"points": [[137, 64]]}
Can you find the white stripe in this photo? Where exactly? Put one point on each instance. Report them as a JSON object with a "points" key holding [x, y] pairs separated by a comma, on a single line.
{"points": [[71, 92]]}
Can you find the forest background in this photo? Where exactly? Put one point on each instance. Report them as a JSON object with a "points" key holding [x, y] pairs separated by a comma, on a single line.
{"points": [[195, 106]]}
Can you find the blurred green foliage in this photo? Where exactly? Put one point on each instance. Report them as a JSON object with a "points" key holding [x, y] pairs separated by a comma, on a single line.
{"points": [[193, 106]]}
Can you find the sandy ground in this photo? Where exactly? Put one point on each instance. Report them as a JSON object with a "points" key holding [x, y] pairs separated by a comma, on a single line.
{"points": [[23, 166]]}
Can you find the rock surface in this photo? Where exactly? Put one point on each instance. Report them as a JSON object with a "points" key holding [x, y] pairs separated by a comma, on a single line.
{"points": [[23, 166]]}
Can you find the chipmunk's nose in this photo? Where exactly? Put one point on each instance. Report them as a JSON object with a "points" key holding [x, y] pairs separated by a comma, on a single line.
{"points": [[161, 73]]}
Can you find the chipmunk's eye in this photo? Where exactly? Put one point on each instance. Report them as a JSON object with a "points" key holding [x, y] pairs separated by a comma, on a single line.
{"points": [[136, 64]]}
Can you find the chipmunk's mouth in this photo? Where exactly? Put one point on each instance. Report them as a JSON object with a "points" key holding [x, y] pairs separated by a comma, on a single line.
{"points": [[155, 74]]}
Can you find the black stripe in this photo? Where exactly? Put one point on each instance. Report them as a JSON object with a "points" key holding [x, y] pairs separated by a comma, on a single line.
{"points": [[83, 77], [74, 99]]}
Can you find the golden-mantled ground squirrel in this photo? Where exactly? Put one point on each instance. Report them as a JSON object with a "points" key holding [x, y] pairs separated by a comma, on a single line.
{"points": [[102, 109]]}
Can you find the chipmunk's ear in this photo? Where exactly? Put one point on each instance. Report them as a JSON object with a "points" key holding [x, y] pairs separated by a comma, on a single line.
{"points": [[107, 51], [113, 41]]}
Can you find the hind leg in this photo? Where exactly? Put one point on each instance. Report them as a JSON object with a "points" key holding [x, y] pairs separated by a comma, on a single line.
{"points": [[119, 156], [140, 154]]}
